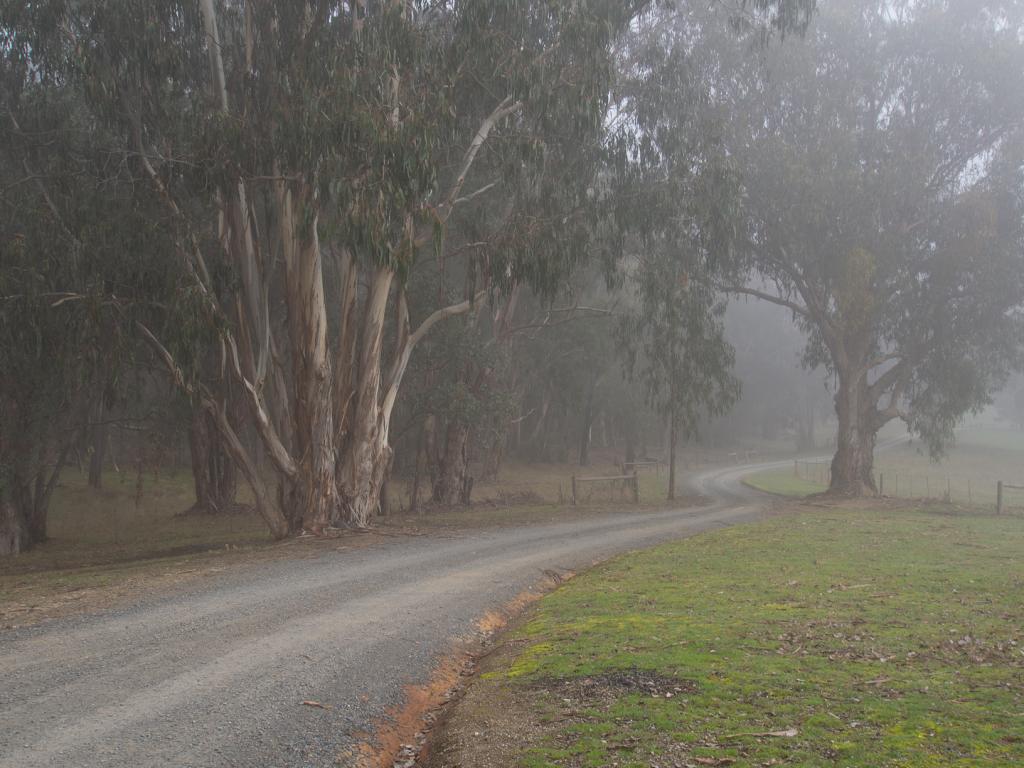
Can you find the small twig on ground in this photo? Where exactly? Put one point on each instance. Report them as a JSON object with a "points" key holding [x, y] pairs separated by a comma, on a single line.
{"points": [[315, 704], [789, 733]]}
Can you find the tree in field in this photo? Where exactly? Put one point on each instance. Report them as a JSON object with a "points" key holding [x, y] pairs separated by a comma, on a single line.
{"points": [[882, 171], [571, 366], [681, 204], [673, 343]]}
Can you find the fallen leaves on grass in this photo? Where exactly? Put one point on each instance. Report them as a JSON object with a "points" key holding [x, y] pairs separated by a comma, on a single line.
{"points": [[613, 684]]}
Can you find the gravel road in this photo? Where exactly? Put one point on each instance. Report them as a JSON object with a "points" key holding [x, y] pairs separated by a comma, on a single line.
{"points": [[215, 675]]}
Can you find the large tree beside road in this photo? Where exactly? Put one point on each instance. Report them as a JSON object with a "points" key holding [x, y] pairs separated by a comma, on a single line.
{"points": [[882, 164], [317, 150]]}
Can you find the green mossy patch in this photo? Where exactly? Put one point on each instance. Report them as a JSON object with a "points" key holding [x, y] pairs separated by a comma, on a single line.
{"points": [[888, 638]]}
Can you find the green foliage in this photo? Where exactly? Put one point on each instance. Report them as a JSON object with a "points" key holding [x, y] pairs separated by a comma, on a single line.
{"points": [[73, 278], [376, 118], [673, 342], [890, 211], [184, 163]]}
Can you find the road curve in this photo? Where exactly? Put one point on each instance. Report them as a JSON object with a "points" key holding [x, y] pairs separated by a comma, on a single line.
{"points": [[216, 675]]}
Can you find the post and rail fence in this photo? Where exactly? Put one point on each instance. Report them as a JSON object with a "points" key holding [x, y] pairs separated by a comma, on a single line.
{"points": [[1001, 495], [973, 491], [630, 467], [625, 481]]}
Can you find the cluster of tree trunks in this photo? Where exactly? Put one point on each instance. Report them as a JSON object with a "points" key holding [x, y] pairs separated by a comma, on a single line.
{"points": [[214, 475], [25, 500], [13, 534]]}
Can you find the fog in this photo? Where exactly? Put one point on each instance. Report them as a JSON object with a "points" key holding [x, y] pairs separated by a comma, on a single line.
{"points": [[683, 337], [385, 251]]}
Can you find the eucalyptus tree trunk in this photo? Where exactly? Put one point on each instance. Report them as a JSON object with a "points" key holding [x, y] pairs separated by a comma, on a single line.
{"points": [[25, 497], [853, 463], [673, 440], [587, 427], [422, 459], [367, 419], [97, 444], [214, 475], [314, 490], [252, 344], [329, 442], [13, 531], [454, 468], [370, 389], [453, 483]]}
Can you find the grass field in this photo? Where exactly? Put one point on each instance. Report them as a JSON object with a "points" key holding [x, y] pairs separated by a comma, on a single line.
{"points": [[969, 473], [783, 483], [133, 516], [863, 639]]}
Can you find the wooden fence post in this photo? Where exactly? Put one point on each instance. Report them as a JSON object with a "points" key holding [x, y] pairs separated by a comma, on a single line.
{"points": [[796, 468], [574, 490], [999, 497], [881, 484], [636, 487]]}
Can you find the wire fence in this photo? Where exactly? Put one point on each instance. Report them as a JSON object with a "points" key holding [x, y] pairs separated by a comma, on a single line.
{"points": [[964, 490]]}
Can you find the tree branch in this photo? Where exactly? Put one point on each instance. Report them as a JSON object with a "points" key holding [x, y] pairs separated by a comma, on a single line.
{"points": [[275, 448], [890, 379], [473, 195], [443, 314], [803, 311], [38, 178], [162, 352], [444, 210], [885, 359], [504, 109], [402, 361]]}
